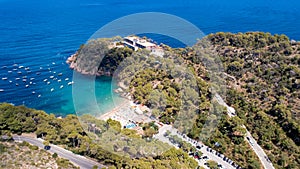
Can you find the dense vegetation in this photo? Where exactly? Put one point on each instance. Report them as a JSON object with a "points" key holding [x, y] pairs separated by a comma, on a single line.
{"points": [[262, 73], [264, 77], [68, 132], [266, 70], [181, 96], [97, 57], [263, 81]]}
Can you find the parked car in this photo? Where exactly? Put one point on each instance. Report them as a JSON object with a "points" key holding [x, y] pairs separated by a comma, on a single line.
{"points": [[250, 141], [47, 147], [267, 158], [205, 157]]}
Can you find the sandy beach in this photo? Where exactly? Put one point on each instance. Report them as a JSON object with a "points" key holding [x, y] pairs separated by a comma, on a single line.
{"points": [[126, 112], [115, 110]]}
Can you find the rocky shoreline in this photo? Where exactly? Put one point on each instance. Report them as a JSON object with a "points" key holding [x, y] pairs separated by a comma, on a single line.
{"points": [[121, 90], [71, 61]]}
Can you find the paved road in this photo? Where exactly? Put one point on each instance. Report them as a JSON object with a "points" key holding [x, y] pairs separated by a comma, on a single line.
{"points": [[78, 160], [204, 149], [254, 145], [260, 152]]}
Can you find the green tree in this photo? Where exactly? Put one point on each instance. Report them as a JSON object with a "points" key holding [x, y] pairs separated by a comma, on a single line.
{"points": [[212, 164]]}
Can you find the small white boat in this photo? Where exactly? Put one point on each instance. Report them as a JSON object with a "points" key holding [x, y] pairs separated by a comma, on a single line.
{"points": [[45, 80], [4, 78], [15, 69], [19, 72], [24, 77], [10, 81], [32, 78], [39, 95], [1, 90], [17, 78], [60, 74], [24, 80], [66, 79], [53, 63], [20, 67], [48, 83], [33, 92], [70, 83], [9, 71], [59, 80], [54, 72], [17, 84], [52, 89], [38, 73], [51, 77], [30, 82], [15, 65], [55, 78], [61, 86], [27, 86], [27, 68]]}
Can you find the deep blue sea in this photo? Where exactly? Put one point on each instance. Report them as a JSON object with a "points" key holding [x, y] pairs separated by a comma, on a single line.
{"points": [[39, 35]]}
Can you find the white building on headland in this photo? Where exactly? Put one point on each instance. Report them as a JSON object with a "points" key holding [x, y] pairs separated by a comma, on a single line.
{"points": [[135, 43]]}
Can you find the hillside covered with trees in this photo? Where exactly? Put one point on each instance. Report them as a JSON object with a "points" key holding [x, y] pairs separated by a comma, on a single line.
{"points": [[264, 82], [69, 133], [261, 76]]}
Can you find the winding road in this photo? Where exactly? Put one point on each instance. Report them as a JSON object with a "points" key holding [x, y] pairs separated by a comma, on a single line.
{"points": [[267, 164], [259, 152], [78, 160], [210, 153]]}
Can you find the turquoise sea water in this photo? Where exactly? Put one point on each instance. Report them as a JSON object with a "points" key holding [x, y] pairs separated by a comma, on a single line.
{"points": [[42, 34]]}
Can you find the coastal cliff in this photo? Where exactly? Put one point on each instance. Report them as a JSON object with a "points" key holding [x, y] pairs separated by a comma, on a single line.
{"points": [[98, 57]]}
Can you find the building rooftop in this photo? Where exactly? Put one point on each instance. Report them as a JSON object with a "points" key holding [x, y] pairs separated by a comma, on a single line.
{"points": [[145, 43], [140, 41]]}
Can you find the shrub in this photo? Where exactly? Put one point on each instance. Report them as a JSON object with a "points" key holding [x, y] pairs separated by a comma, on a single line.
{"points": [[54, 155]]}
